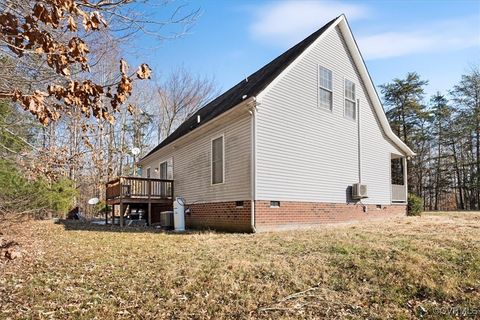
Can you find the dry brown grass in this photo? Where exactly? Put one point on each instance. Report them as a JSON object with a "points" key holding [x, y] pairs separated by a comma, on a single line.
{"points": [[399, 268]]}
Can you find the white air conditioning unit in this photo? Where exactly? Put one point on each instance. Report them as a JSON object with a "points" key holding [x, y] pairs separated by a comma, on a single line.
{"points": [[359, 191]]}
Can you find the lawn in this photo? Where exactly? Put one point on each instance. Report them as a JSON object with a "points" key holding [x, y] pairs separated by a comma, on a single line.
{"points": [[409, 267]]}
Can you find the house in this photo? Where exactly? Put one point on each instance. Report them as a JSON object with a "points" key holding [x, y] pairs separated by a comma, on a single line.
{"points": [[302, 141]]}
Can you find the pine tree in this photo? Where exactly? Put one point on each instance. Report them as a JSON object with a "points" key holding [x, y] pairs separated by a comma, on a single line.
{"points": [[441, 115], [403, 98], [409, 120]]}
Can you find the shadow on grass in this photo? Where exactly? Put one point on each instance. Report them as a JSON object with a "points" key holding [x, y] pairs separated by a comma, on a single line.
{"points": [[76, 225]]}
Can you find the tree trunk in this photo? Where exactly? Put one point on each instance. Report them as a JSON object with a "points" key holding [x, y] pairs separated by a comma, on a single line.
{"points": [[437, 174], [459, 179], [404, 127], [477, 196]]}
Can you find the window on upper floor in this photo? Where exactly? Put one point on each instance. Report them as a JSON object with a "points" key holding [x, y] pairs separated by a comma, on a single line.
{"points": [[218, 158], [350, 104], [325, 88]]}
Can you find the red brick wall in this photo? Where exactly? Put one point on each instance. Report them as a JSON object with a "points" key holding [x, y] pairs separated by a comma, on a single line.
{"points": [[292, 214], [224, 216]]}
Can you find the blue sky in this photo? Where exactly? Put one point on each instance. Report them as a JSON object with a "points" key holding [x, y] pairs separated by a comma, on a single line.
{"points": [[231, 39]]}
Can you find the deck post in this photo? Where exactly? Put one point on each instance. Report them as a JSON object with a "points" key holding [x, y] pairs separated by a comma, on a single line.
{"points": [[121, 201], [113, 214], [149, 213], [121, 213], [106, 204]]}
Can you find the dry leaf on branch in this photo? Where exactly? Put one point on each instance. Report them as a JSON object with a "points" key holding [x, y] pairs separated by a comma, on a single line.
{"points": [[144, 71], [72, 26], [32, 33]]}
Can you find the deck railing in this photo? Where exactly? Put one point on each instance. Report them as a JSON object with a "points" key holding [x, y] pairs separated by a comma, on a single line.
{"points": [[136, 187], [399, 193]]}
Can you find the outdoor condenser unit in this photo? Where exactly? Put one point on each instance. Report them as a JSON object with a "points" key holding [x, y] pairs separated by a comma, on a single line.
{"points": [[166, 219], [359, 191]]}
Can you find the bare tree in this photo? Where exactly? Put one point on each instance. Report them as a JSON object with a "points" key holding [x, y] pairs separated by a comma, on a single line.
{"points": [[59, 60], [180, 95]]}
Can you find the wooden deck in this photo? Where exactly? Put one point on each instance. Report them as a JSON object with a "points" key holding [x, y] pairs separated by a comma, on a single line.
{"points": [[139, 190], [128, 192]]}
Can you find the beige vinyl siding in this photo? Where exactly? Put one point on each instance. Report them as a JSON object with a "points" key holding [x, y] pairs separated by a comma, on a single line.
{"points": [[156, 164], [192, 162], [307, 153]]}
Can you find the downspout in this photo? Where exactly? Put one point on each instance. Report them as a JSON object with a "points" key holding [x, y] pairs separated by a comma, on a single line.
{"points": [[359, 144], [253, 160], [365, 208]]}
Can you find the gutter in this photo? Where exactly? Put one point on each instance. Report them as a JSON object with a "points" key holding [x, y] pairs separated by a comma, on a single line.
{"points": [[201, 127]]}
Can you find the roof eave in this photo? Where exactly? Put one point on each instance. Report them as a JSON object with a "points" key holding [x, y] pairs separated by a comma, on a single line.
{"points": [[377, 104], [245, 102]]}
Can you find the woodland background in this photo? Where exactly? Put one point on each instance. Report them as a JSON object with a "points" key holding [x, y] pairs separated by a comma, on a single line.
{"points": [[56, 153]]}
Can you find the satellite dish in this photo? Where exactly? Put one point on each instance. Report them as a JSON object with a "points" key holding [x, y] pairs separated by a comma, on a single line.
{"points": [[93, 201], [135, 151]]}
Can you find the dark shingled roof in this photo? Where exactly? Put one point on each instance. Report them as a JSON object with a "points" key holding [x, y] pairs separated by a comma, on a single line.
{"points": [[257, 81]]}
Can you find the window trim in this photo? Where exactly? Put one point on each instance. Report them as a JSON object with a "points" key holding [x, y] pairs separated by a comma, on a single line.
{"points": [[223, 159], [319, 66], [354, 119]]}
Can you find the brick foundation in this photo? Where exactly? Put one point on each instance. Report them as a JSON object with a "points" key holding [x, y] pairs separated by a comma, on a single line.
{"points": [[226, 216], [294, 215]]}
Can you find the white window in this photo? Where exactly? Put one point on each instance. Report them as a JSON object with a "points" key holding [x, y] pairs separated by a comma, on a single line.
{"points": [[325, 88], [350, 104], [148, 173], [217, 160]]}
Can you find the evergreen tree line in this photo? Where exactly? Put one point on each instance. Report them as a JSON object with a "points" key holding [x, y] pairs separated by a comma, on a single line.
{"points": [[444, 132], [23, 193]]}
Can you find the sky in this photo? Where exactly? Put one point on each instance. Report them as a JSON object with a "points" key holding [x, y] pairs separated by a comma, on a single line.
{"points": [[232, 39]]}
